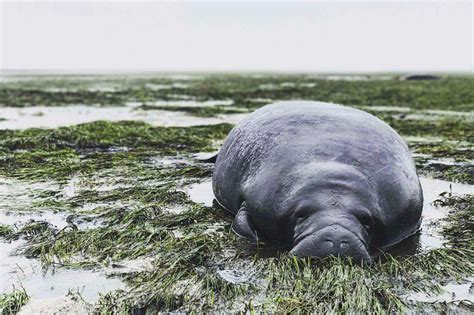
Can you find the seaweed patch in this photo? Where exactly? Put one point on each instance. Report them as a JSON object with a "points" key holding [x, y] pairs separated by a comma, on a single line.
{"points": [[113, 199]]}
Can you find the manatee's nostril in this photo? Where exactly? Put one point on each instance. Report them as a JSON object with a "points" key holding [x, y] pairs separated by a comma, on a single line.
{"points": [[344, 245], [328, 243], [325, 243]]}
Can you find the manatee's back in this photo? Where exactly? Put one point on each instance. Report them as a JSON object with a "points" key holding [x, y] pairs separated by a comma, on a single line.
{"points": [[285, 134], [245, 145]]}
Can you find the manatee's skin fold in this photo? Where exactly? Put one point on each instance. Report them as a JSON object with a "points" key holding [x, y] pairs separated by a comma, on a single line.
{"points": [[296, 167]]}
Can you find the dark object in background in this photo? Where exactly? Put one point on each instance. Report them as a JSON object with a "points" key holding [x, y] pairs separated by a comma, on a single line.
{"points": [[420, 77], [322, 179]]}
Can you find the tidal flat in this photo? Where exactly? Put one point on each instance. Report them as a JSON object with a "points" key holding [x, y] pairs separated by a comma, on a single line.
{"points": [[105, 206]]}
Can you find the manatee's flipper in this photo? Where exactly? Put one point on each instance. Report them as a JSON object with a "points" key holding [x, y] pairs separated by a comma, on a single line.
{"points": [[243, 225], [207, 158]]}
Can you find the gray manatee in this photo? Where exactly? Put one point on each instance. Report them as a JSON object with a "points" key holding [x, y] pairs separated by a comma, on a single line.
{"points": [[321, 179]]}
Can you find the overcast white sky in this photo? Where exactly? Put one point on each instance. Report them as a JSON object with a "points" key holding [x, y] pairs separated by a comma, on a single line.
{"points": [[266, 36]]}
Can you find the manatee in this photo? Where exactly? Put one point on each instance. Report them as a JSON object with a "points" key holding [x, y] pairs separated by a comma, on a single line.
{"points": [[320, 179]]}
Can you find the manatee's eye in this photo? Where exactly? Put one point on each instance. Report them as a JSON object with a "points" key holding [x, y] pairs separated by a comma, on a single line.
{"points": [[365, 219], [301, 215]]}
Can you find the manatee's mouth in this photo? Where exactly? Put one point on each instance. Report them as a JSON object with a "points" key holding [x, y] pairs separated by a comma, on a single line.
{"points": [[301, 238], [335, 240]]}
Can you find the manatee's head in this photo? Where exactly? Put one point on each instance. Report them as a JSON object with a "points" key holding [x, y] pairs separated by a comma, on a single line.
{"points": [[337, 234], [332, 212]]}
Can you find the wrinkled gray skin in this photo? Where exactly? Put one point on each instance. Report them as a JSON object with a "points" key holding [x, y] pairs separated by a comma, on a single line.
{"points": [[324, 179]]}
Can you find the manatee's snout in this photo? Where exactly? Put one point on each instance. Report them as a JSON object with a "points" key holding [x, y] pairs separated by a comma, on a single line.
{"points": [[332, 240]]}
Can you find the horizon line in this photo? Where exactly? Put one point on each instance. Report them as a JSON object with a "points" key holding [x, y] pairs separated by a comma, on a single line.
{"points": [[219, 71]]}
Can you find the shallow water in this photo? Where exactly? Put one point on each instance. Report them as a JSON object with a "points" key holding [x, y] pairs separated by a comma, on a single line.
{"points": [[386, 108], [62, 305], [56, 219], [53, 117], [428, 238], [451, 293], [192, 103], [425, 114], [241, 274], [432, 188], [347, 77], [22, 201], [18, 195], [166, 161], [157, 87], [18, 271], [59, 116], [447, 162], [201, 193]]}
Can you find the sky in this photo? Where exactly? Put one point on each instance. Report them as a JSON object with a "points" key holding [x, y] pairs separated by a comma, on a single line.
{"points": [[292, 36]]}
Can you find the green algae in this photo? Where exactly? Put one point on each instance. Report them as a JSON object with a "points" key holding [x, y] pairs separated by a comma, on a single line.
{"points": [[447, 128], [460, 229], [24, 97], [198, 111], [106, 135], [138, 208], [184, 275], [11, 303], [6, 231], [60, 153], [452, 92], [289, 284]]}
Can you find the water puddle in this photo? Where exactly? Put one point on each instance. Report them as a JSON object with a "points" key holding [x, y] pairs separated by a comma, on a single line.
{"points": [[79, 86], [268, 86], [236, 276], [449, 162], [451, 293], [166, 161], [272, 86], [63, 305], [21, 202], [432, 188], [176, 209], [346, 77], [192, 103], [433, 116], [386, 108], [104, 87], [18, 271], [130, 266], [53, 117], [261, 100], [201, 193], [180, 97], [448, 113], [418, 139], [425, 114], [240, 273], [17, 195], [56, 219], [100, 182], [175, 85]]}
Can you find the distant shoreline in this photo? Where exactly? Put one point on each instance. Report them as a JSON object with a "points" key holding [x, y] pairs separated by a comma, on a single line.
{"points": [[46, 72]]}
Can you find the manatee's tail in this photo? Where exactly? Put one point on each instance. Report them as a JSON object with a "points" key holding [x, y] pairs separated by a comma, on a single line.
{"points": [[207, 158]]}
